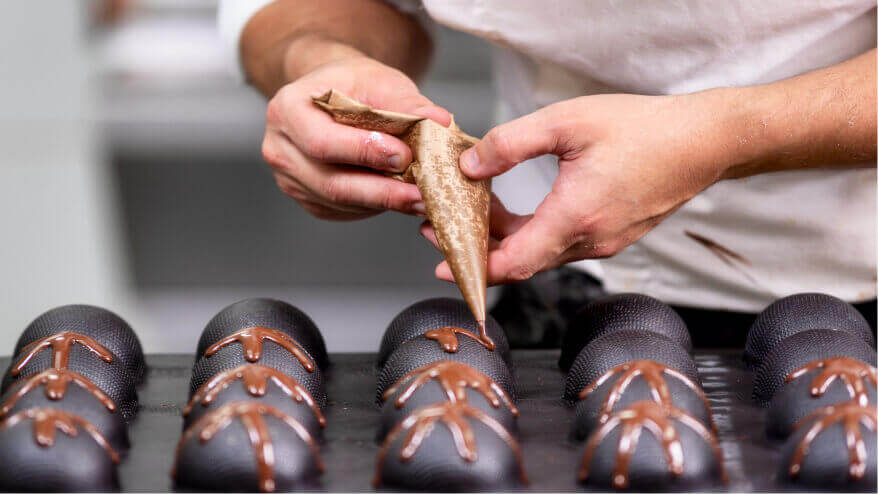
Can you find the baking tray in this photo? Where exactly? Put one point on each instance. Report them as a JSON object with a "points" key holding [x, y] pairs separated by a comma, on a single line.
{"points": [[551, 460]]}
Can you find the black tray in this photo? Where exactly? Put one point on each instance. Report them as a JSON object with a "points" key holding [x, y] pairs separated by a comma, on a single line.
{"points": [[551, 460]]}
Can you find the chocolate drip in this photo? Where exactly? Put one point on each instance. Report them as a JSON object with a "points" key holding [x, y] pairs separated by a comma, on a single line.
{"points": [[853, 373], [850, 415], [454, 378], [49, 420], [454, 415], [56, 381], [61, 344], [447, 338], [251, 339], [255, 379], [652, 373], [252, 416], [657, 419]]}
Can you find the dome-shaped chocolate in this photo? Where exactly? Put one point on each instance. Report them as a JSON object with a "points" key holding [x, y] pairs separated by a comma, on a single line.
{"points": [[462, 449], [801, 312], [665, 448], [247, 446], [436, 313], [104, 326], [816, 385], [801, 349], [433, 346], [619, 312], [446, 380], [834, 448], [637, 381], [269, 313], [620, 347], [49, 450]]}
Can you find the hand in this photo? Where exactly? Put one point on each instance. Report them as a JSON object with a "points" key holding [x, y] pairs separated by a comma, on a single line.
{"points": [[626, 163], [329, 168]]}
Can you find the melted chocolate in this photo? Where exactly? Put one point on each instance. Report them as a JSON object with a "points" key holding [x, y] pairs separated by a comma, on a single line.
{"points": [[656, 418], [652, 373], [61, 344], [853, 373], [252, 416], [454, 378], [454, 415], [447, 338], [56, 381], [49, 420], [850, 415], [255, 379], [251, 339]]}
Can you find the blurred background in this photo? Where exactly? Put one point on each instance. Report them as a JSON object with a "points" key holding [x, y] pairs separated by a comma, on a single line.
{"points": [[131, 178]]}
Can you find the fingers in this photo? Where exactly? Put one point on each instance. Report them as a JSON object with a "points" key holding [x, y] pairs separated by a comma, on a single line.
{"points": [[509, 144]]}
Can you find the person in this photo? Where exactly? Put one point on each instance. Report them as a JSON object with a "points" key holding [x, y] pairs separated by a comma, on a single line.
{"points": [[714, 155]]}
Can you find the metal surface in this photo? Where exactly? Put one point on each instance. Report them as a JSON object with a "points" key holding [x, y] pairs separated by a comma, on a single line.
{"points": [[551, 459]]}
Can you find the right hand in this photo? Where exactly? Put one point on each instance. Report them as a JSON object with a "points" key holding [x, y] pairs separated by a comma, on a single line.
{"points": [[311, 155]]}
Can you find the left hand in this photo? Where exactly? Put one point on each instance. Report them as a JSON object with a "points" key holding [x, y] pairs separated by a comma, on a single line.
{"points": [[626, 163]]}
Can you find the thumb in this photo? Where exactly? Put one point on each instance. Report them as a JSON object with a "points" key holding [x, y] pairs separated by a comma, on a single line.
{"points": [[507, 145]]}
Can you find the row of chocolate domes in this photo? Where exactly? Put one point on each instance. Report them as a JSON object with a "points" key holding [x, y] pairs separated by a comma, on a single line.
{"points": [[447, 396], [68, 395]]}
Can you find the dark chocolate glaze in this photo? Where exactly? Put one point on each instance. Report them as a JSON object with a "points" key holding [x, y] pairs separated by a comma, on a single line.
{"points": [[659, 420], [47, 421], [251, 415], [850, 415]]}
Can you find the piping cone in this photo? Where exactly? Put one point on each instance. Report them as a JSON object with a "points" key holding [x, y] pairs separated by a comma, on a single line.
{"points": [[457, 207]]}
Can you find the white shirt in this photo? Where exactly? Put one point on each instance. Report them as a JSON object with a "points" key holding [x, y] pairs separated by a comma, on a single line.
{"points": [[799, 231]]}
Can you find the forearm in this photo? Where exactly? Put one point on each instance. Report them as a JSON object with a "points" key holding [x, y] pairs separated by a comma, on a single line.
{"points": [[825, 118], [289, 38]]}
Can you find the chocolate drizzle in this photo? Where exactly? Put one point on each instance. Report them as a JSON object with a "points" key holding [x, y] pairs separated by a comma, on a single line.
{"points": [[453, 415], [454, 378], [61, 344], [46, 421], [255, 379], [851, 415], [252, 416], [251, 339], [447, 338], [56, 381], [853, 373], [657, 419], [652, 374]]}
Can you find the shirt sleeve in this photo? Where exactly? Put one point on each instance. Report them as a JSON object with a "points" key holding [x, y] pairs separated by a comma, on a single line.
{"points": [[231, 17]]}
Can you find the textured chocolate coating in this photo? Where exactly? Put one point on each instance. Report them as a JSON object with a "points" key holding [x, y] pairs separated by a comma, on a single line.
{"points": [[269, 313], [247, 446], [104, 326], [435, 313], [76, 400], [801, 349], [618, 312], [110, 377], [63, 463], [272, 355], [420, 351], [801, 312], [814, 389], [457, 206], [621, 347], [647, 447], [833, 448], [449, 447], [630, 383], [446, 381]]}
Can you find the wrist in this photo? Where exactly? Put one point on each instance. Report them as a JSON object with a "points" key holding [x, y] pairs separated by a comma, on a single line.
{"points": [[307, 53]]}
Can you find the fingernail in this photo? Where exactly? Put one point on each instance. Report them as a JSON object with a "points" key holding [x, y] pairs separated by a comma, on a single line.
{"points": [[395, 163], [469, 161], [419, 207]]}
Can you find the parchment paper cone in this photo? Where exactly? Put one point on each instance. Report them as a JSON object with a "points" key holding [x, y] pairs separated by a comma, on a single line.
{"points": [[457, 206]]}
